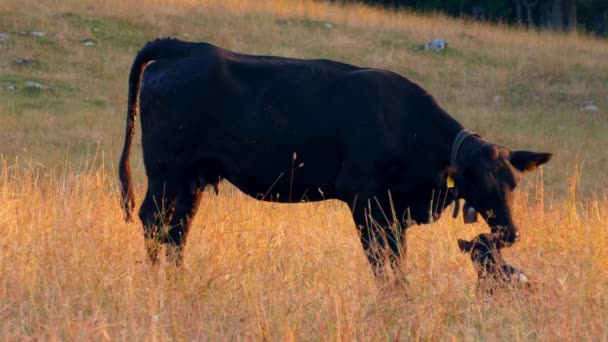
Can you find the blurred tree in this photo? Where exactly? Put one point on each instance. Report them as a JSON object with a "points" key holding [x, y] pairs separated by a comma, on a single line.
{"points": [[567, 15], [593, 15], [556, 15]]}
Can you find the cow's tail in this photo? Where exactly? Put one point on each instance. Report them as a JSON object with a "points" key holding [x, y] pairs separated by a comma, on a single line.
{"points": [[160, 48]]}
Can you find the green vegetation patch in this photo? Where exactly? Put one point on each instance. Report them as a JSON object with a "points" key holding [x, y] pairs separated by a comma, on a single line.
{"points": [[25, 92], [307, 23], [111, 31], [97, 103]]}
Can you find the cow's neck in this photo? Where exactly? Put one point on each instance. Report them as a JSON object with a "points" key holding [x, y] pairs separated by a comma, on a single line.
{"points": [[444, 139], [459, 140]]}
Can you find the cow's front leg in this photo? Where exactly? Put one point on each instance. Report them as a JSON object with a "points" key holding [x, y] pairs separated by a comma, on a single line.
{"points": [[398, 244], [371, 241], [372, 211], [383, 240]]}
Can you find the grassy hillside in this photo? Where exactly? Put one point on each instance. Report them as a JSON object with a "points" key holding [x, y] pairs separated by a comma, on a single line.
{"points": [[522, 89], [72, 270]]}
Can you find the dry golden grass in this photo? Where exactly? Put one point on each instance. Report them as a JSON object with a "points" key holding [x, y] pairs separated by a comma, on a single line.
{"points": [[71, 269]]}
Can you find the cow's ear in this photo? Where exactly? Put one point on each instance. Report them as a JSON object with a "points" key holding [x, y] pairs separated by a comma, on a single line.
{"points": [[465, 246], [528, 161]]}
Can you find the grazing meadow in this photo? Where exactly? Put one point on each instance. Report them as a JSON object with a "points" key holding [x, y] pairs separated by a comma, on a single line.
{"points": [[72, 269]]}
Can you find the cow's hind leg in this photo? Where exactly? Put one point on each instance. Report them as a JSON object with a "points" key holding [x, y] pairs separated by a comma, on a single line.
{"points": [[155, 212], [186, 205]]}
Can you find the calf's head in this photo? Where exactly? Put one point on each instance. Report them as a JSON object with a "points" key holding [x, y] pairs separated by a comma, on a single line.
{"points": [[486, 175], [488, 261]]}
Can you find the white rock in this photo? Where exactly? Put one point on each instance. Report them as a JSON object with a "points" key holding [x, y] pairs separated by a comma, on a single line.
{"points": [[88, 42], [22, 60], [4, 37], [38, 34], [437, 44], [590, 108], [35, 85]]}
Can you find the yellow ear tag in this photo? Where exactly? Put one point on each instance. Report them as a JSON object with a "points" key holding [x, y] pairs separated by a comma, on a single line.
{"points": [[449, 182]]}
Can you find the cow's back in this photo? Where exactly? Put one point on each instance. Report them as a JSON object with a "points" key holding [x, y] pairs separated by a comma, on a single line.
{"points": [[249, 113]]}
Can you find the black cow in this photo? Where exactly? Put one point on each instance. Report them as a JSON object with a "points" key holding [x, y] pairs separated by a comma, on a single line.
{"points": [[292, 130]]}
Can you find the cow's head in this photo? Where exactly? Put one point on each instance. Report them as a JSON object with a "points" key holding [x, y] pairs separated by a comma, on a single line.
{"points": [[486, 175]]}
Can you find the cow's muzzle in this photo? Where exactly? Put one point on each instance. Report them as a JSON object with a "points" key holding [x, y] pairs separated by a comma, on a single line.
{"points": [[507, 235]]}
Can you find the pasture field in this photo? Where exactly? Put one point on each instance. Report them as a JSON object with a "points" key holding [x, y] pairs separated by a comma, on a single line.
{"points": [[71, 269]]}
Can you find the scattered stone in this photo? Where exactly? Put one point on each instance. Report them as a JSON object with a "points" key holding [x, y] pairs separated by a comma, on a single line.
{"points": [[96, 29], [329, 26], [37, 34], [437, 44], [497, 99], [590, 108], [11, 87], [35, 85], [23, 60], [4, 37], [88, 42]]}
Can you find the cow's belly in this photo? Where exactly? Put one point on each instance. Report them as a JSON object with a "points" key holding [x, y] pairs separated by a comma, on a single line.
{"points": [[272, 173], [281, 190]]}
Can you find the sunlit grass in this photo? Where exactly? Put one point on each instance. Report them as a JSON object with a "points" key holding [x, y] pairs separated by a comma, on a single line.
{"points": [[72, 269]]}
